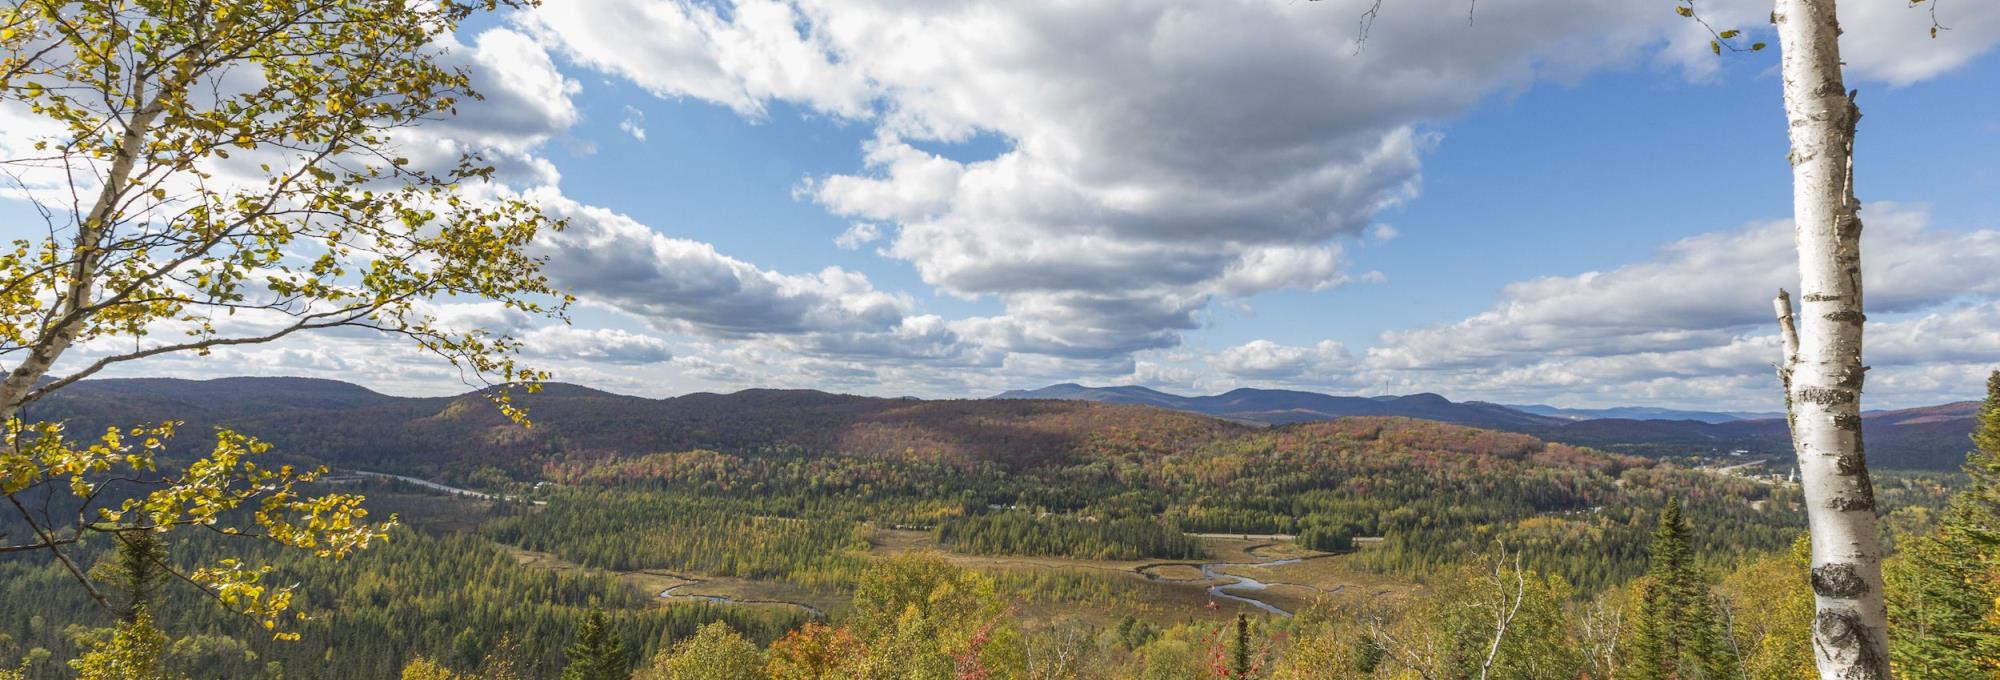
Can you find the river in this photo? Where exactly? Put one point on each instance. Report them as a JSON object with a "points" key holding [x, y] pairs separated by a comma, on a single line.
{"points": [[1212, 570], [434, 486]]}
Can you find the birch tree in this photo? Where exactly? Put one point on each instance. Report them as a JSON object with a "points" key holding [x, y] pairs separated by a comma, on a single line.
{"points": [[216, 173], [1821, 369]]}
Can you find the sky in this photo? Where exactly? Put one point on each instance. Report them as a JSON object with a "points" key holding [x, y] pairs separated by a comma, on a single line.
{"points": [[1565, 202]]}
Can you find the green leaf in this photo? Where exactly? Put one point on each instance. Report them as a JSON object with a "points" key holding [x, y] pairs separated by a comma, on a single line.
{"points": [[1731, 33], [1715, 47]]}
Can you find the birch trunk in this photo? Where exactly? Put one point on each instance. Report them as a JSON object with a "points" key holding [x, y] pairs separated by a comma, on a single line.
{"points": [[69, 319], [1823, 371]]}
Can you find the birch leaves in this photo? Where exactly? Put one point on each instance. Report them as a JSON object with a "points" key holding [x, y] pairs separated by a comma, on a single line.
{"points": [[230, 172]]}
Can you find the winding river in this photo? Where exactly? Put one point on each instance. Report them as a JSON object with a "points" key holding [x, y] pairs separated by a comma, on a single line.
{"points": [[1212, 570]]}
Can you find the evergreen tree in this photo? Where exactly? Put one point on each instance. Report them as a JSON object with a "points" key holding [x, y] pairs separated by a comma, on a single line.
{"points": [[1240, 664], [598, 654], [1678, 635], [1943, 589], [139, 568]]}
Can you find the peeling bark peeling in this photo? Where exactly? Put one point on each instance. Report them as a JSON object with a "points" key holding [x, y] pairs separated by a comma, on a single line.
{"points": [[1822, 370]]}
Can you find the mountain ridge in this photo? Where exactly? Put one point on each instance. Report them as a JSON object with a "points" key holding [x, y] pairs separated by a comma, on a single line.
{"points": [[341, 423], [1927, 437]]}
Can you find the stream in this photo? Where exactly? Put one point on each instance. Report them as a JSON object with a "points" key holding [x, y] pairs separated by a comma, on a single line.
{"points": [[434, 486], [1212, 570]]}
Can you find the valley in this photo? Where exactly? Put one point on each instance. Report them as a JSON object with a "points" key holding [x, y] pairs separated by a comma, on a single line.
{"points": [[768, 510]]}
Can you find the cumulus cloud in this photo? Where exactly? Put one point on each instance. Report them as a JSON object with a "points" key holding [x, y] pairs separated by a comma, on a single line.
{"points": [[857, 235], [1266, 360], [743, 59], [684, 285], [1890, 41], [525, 101], [1692, 325], [605, 345], [1177, 149], [1699, 292], [1158, 156]]}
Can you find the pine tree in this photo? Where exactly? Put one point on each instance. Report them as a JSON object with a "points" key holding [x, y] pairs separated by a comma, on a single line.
{"points": [[1678, 635], [1944, 589], [598, 654]]}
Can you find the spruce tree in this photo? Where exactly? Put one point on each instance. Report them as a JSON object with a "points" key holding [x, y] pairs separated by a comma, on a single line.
{"points": [[1944, 589], [139, 568], [1678, 635], [1240, 665], [598, 654]]}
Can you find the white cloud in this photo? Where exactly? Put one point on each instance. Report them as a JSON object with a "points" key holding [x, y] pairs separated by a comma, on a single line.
{"points": [[684, 285], [1889, 41], [633, 123], [1165, 154], [857, 235], [603, 345], [1266, 360], [754, 54], [1699, 292]]}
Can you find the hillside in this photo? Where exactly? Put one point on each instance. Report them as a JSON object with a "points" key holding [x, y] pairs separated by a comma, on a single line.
{"points": [[1278, 407], [1927, 438], [347, 424], [343, 424]]}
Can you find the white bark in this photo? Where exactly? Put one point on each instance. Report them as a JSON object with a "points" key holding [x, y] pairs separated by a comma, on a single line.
{"points": [[1824, 373], [69, 318]]}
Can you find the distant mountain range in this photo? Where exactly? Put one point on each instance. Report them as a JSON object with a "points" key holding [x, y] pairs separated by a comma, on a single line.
{"points": [[1279, 407], [345, 424], [1642, 413], [1932, 437]]}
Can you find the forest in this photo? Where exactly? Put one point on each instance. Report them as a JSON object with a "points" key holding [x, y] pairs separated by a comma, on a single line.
{"points": [[1449, 505]]}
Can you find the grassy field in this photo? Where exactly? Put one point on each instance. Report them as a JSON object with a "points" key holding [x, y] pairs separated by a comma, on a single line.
{"points": [[1102, 591], [1177, 590]]}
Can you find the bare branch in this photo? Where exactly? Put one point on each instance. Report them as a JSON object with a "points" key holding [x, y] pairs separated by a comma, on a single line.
{"points": [[1788, 331]]}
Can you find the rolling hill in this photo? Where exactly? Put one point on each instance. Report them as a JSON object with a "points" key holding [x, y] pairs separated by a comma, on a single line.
{"points": [[1932, 437], [1279, 407], [346, 424]]}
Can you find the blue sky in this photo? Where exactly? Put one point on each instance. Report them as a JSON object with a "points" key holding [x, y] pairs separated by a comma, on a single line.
{"points": [[1569, 203]]}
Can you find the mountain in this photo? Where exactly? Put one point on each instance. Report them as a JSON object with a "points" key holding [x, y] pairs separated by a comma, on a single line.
{"points": [[1641, 413], [348, 425], [345, 425], [1932, 437], [1278, 407]]}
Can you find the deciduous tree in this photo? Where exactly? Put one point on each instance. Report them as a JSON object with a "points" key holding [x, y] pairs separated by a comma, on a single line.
{"points": [[224, 173]]}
